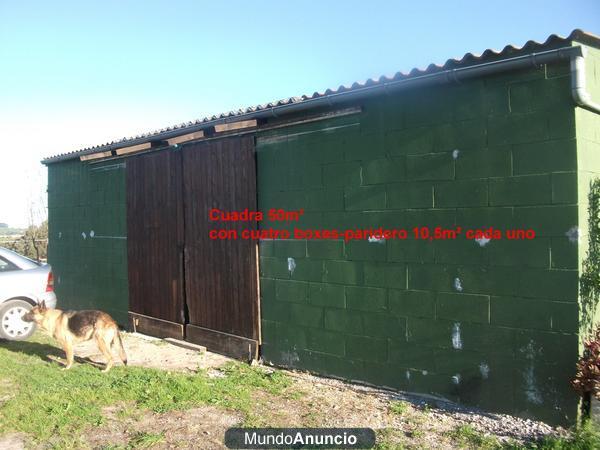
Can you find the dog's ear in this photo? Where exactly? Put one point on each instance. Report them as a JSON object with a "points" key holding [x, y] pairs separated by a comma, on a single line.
{"points": [[43, 305]]}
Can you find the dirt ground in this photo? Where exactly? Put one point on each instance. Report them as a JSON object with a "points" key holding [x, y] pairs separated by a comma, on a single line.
{"points": [[312, 401], [198, 428], [147, 351]]}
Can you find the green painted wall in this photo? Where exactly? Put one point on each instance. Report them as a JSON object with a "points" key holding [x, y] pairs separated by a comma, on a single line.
{"points": [[390, 313], [89, 272]]}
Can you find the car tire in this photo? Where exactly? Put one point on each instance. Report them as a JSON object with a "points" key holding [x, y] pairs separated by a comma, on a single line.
{"points": [[11, 325]]}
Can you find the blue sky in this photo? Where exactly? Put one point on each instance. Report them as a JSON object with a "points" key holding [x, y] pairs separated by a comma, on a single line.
{"points": [[78, 73]]}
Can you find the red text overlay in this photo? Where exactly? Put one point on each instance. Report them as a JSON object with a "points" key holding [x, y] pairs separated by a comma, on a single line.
{"points": [[373, 234]]}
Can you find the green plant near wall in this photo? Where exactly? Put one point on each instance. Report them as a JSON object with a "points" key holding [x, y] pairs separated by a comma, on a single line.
{"points": [[589, 280], [587, 377]]}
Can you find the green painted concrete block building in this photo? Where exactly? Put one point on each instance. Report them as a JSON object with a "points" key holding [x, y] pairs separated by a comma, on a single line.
{"points": [[509, 140]]}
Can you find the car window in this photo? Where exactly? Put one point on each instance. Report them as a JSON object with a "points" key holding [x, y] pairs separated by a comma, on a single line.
{"points": [[6, 266], [22, 262]]}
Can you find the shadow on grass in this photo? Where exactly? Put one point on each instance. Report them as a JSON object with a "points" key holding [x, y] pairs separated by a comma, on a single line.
{"points": [[45, 352]]}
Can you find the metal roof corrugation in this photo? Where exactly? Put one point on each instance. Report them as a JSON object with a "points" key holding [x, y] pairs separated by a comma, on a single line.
{"points": [[468, 59]]}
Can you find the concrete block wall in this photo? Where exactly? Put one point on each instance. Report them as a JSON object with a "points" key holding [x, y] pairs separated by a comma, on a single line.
{"points": [[588, 164], [87, 230], [494, 326]]}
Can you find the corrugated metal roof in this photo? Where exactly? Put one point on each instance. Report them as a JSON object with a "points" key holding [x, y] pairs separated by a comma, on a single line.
{"points": [[553, 41]]}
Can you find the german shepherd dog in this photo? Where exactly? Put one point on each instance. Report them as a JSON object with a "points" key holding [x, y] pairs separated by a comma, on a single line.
{"points": [[71, 327]]}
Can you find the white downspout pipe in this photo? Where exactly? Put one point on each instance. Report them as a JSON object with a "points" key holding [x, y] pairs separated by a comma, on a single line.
{"points": [[578, 83]]}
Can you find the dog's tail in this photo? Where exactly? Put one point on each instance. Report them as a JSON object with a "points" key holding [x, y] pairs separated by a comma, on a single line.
{"points": [[122, 353]]}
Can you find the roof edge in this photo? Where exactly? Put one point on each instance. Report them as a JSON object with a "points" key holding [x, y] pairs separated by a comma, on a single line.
{"points": [[264, 110]]}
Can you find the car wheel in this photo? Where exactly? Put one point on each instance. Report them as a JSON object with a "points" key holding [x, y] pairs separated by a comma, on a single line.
{"points": [[11, 325]]}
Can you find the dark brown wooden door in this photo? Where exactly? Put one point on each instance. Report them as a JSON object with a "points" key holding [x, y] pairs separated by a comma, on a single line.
{"points": [[155, 244], [221, 276]]}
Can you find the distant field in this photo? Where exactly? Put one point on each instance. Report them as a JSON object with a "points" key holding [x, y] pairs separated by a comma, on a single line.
{"points": [[11, 232], [10, 235]]}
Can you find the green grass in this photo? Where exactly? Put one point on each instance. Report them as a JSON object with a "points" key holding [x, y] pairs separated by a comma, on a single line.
{"points": [[145, 440], [139, 440], [399, 407], [586, 437], [50, 403], [386, 440], [467, 436]]}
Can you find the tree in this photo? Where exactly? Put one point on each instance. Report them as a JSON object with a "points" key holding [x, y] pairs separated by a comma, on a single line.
{"points": [[33, 243]]}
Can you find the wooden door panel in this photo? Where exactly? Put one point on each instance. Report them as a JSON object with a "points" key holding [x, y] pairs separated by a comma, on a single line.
{"points": [[221, 275], [155, 237]]}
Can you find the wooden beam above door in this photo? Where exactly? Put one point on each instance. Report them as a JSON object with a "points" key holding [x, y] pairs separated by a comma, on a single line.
{"points": [[220, 128], [93, 156], [186, 138], [134, 148]]}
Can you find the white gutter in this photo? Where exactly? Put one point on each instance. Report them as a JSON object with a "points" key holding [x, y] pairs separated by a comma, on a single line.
{"points": [[578, 83]]}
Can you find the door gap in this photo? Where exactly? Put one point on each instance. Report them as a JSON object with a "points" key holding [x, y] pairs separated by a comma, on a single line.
{"points": [[186, 310]]}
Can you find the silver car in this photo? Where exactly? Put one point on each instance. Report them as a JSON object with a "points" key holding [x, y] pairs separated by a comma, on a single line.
{"points": [[23, 284]]}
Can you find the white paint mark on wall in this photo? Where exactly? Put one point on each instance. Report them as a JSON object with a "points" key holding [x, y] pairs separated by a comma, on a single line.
{"points": [[456, 378], [532, 392], [60, 234], [529, 350], [376, 240], [458, 284], [291, 265], [107, 168], [92, 233], [455, 153], [573, 234], [276, 139], [83, 235], [273, 140], [483, 241], [457, 343], [484, 369], [290, 358]]}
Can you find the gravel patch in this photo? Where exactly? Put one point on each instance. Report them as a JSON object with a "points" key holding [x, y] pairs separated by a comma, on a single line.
{"points": [[437, 414]]}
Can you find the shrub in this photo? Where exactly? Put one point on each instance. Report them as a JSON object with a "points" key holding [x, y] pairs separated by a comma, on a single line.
{"points": [[587, 377]]}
